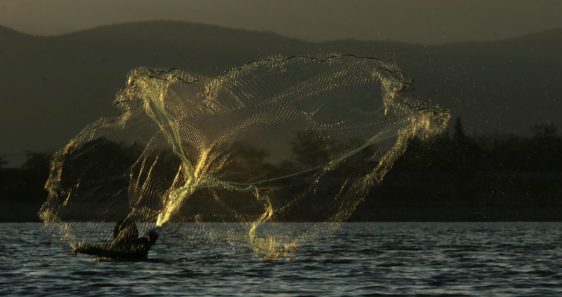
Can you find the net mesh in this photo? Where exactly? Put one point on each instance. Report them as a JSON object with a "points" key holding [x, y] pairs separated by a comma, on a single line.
{"points": [[278, 139]]}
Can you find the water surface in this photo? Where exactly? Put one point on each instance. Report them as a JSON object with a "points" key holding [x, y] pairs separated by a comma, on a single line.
{"points": [[472, 259]]}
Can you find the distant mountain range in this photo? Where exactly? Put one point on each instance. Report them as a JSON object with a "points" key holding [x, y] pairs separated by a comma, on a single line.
{"points": [[53, 86]]}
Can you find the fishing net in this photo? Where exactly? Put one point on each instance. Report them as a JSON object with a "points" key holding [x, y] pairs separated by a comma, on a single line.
{"points": [[282, 139]]}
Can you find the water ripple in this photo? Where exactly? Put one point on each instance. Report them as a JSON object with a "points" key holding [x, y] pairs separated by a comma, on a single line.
{"points": [[371, 259]]}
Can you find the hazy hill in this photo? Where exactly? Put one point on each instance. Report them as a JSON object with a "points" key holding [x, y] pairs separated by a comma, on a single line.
{"points": [[52, 86]]}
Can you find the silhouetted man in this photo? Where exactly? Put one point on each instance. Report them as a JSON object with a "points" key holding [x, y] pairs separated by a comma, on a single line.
{"points": [[125, 244]]}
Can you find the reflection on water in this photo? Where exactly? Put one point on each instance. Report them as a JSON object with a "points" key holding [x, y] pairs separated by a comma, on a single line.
{"points": [[365, 258]]}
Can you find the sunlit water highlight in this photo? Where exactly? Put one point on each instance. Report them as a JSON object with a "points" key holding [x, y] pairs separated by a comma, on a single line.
{"points": [[472, 259]]}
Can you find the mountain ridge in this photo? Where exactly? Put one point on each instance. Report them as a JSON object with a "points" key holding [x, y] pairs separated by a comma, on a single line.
{"points": [[55, 85], [532, 35]]}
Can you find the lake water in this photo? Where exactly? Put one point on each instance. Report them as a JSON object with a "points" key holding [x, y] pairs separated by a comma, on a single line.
{"points": [[472, 259]]}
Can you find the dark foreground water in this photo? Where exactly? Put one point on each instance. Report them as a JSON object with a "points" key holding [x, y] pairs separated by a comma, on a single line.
{"points": [[474, 259]]}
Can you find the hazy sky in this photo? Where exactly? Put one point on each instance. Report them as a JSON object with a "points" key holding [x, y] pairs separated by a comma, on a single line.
{"points": [[425, 21]]}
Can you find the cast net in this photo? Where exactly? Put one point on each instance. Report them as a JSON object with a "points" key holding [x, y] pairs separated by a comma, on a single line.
{"points": [[281, 139]]}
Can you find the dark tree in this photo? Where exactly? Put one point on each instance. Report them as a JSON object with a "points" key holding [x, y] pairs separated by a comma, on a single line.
{"points": [[546, 131], [459, 133], [544, 148], [311, 149], [3, 161], [37, 164], [246, 164]]}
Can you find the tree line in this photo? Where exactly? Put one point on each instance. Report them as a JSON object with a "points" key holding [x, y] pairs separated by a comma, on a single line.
{"points": [[453, 176]]}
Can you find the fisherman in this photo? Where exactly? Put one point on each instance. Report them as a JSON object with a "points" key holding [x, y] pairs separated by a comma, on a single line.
{"points": [[125, 244]]}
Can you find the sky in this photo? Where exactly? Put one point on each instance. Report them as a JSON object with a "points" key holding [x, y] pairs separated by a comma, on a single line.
{"points": [[417, 21]]}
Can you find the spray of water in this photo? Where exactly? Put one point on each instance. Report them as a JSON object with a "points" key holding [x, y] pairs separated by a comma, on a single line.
{"points": [[278, 139]]}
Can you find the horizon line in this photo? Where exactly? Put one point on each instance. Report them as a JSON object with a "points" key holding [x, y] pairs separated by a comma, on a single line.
{"points": [[183, 22]]}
